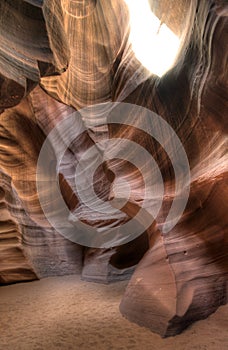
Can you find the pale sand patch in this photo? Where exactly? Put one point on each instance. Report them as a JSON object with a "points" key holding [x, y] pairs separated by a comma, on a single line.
{"points": [[67, 313]]}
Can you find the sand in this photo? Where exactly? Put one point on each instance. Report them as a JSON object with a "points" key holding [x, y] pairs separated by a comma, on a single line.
{"points": [[67, 313]]}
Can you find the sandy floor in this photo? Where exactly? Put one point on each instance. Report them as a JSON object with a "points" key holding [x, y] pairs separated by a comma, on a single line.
{"points": [[67, 313]]}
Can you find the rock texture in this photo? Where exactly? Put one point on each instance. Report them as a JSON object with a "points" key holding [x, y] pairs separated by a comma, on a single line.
{"points": [[14, 265], [180, 276], [33, 44]]}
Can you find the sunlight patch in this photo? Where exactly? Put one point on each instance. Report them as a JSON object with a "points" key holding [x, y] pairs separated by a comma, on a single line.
{"points": [[153, 43]]}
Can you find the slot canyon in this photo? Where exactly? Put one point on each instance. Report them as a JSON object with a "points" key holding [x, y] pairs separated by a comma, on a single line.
{"points": [[113, 174]]}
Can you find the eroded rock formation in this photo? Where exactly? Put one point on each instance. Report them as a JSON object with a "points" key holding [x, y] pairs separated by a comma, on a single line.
{"points": [[80, 54]]}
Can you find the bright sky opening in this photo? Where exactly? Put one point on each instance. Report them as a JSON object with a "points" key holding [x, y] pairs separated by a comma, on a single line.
{"points": [[153, 43]]}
